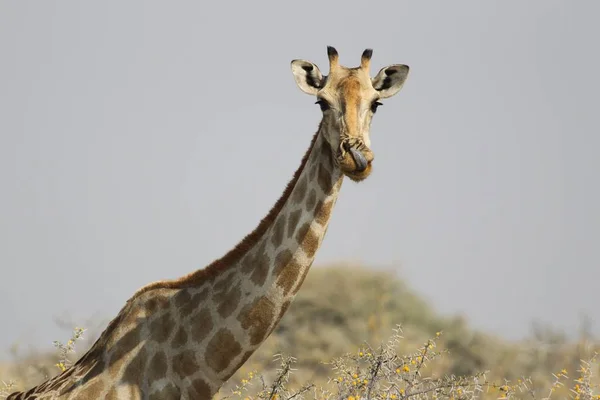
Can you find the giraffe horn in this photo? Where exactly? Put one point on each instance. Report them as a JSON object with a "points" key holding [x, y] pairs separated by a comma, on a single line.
{"points": [[365, 59], [333, 58]]}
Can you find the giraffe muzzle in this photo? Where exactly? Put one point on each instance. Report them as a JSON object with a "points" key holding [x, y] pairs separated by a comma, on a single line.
{"points": [[359, 159], [355, 159]]}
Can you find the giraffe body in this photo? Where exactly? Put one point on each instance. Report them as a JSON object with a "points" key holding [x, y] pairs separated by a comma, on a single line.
{"points": [[183, 339]]}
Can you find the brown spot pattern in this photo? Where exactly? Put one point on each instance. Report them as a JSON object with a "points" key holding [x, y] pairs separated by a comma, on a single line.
{"points": [[246, 356], [224, 281], [229, 302], [136, 366], [238, 364], [161, 328], [157, 368], [278, 230], [302, 277], [180, 338], [323, 213], [299, 191], [193, 303], [184, 364], [281, 260], [261, 268], [310, 244], [249, 261], [313, 171], [301, 234], [157, 303], [318, 206], [182, 298], [200, 389], [326, 155], [311, 200], [219, 266], [256, 318], [133, 315], [324, 179], [200, 325], [221, 349], [123, 346], [288, 277], [293, 223]]}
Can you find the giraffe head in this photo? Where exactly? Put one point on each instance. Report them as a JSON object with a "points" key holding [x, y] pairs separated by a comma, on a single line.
{"points": [[349, 98]]}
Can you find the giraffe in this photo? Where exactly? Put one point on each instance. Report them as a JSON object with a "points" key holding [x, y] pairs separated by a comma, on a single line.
{"points": [[184, 338]]}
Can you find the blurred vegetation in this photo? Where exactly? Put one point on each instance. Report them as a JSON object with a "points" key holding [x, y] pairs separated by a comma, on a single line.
{"points": [[341, 337]]}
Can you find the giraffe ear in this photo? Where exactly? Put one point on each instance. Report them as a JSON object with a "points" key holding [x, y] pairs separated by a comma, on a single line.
{"points": [[307, 76], [390, 79]]}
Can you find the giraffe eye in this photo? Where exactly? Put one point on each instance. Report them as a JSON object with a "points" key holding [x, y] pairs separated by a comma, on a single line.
{"points": [[374, 106], [323, 104]]}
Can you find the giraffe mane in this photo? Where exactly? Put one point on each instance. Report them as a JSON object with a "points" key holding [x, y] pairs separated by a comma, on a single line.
{"points": [[233, 255], [202, 275]]}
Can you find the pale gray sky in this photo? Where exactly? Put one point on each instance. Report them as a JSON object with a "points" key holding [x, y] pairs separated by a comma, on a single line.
{"points": [[141, 140]]}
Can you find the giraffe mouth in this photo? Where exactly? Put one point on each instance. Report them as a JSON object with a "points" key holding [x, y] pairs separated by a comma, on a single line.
{"points": [[359, 159], [355, 161]]}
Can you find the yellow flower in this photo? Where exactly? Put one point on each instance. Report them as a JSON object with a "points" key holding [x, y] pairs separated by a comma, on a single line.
{"points": [[413, 362], [351, 398], [402, 391], [437, 334], [406, 369], [355, 376], [360, 354], [393, 396], [365, 381]]}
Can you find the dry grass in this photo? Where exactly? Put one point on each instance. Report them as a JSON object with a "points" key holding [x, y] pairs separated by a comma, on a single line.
{"points": [[346, 345]]}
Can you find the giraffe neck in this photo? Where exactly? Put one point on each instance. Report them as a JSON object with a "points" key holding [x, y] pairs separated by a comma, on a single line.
{"points": [[187, 337], [268, 275]]}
